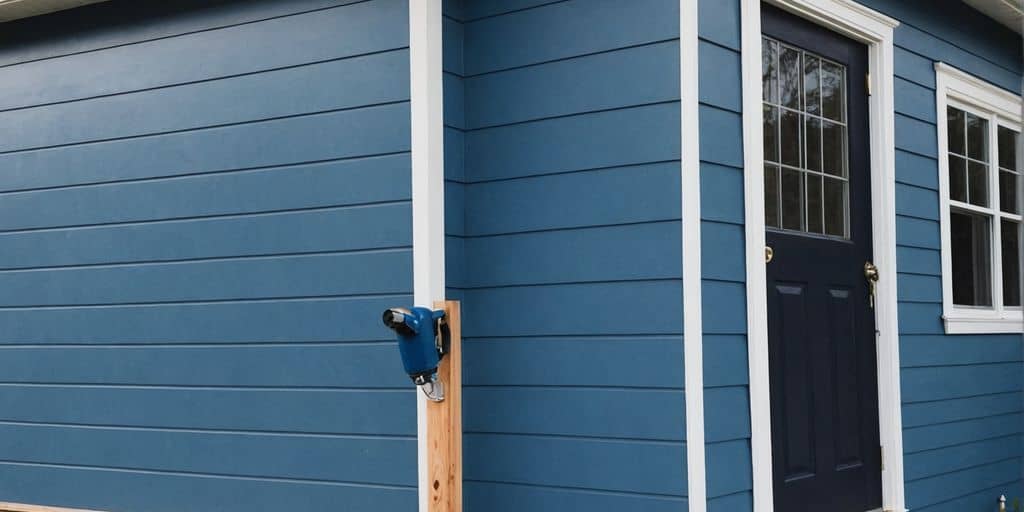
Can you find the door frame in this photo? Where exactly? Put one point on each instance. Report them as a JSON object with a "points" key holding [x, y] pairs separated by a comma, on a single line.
{"points": [[874, 29]]}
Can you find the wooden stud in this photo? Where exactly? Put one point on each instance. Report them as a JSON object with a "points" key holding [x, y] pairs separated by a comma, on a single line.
{"points": [[444, 423], [18, 507]]}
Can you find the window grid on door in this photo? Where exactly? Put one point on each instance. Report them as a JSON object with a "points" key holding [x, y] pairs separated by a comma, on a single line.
{"points": [[805, 140]]}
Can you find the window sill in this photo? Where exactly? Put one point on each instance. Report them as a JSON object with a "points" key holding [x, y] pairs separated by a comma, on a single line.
{"points": [[959, 323]]}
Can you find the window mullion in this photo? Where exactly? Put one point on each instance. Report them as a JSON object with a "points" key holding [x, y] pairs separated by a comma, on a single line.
{"points": [[996, 235]]}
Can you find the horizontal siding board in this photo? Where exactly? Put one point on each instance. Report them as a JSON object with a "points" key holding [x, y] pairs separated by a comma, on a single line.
{"points": [[722, 255], [604, 139], [383, 412], [334, 319], [720, 82], [920, 318], [574, 309], [453, 49], [345, 134], [950, 486], [920, 233], [516, 498], [337, 365], [732, 502], [917, 170], [916, 136], [615, 79], [914, 100], [334, 85], [620, 195], [722, 129], [931, 437], [719, 22], [960, 350], [596, 412], [318, 275], [921, 414], [917, 202], [728, 419], [489, 8], [946, 460], [918, 288], [566, 29], [612, 465], [724, 307], [939, 50], [980, 500], [321, 185], [329, 34], [721, 191], [105, 489], [336, 229], [918, 261], [725, 361], [913, 67], [308, 457], [618, 253], [728, 468], [944, 382], [120, 23], [645, 362]]}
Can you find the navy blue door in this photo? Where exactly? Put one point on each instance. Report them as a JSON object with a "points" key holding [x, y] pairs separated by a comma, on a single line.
{"points": [[821, 325]]}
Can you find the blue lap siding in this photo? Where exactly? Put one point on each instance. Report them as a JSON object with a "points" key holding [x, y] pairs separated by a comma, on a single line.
{"points": [[963, 396], [205, 206], [564, 243]]}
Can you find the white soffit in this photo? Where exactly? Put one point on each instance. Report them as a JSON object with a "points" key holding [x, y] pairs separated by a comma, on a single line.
{"points": [[1007, 12], [16, 9]]}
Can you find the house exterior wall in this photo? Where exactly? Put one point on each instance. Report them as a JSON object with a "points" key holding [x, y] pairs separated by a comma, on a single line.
{"points": [[963, 428], [566, 252], [205, 208]]}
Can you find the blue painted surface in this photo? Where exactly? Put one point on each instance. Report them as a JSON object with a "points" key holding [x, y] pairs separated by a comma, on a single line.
{"points": [[206, 206], [726, 394], [963, 396], [566, 205]]}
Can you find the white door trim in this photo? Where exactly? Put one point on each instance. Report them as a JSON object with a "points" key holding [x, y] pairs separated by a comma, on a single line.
{"points": [[426, 105], [876, 30], [693, 329]]}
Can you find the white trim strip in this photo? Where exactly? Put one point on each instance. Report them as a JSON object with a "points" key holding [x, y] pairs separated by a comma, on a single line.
{"points": [[876, 30], [427, 142], [693, 328]]}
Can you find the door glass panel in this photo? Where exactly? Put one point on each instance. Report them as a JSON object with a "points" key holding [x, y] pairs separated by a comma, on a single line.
{"points": [[806, 142]]}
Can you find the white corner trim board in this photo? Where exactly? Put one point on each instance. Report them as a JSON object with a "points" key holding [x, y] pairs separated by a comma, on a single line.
{"points": [[876, 31], [426, 104], [693, 329], [956, 88]]}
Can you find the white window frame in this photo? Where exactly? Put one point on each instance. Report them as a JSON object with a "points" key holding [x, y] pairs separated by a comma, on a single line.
{"points": [[954, 88]]}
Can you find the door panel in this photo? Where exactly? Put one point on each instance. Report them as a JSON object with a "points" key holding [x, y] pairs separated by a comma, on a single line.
{"points": [[822, 363]]}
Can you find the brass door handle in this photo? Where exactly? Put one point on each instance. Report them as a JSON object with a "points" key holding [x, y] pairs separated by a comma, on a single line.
{"points": [[871, 274], [769, 253]]}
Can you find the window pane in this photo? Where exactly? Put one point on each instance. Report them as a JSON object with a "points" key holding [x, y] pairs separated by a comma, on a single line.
{"points": [[969, 241], [814, 204], [1008, 192], [835, 207], [833, 100], [977, 183], [790, 77], [1008, 148], [812, 91], [813, 135], [834, 148], [1011, 263], [955, 124], [771, 196], [792, 199], [977, 137], [790, 138], [771, 133], [769, 71], [957, 179]]}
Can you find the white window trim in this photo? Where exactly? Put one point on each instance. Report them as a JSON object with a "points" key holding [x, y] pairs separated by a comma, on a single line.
{"points": [[955, 88], [863, 24]]}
